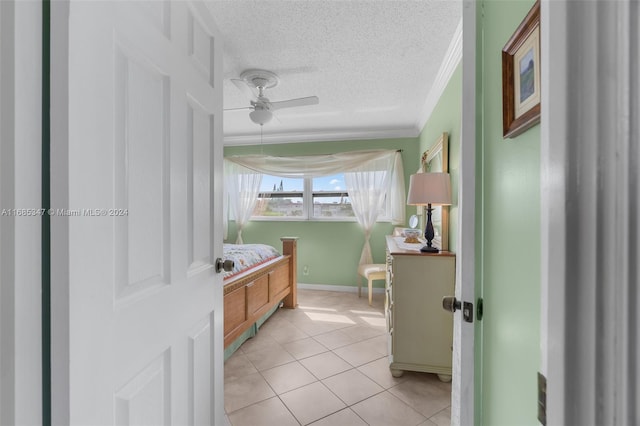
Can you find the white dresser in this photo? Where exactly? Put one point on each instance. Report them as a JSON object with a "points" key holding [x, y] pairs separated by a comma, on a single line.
{"points": [[420, 331]]}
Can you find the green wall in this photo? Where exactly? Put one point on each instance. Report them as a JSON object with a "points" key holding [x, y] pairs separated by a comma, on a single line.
{"points": [[330, 250], [508, 234], [446, 117]]}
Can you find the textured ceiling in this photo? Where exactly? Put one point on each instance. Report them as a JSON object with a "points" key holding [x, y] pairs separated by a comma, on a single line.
{"points": [[372, 64]]}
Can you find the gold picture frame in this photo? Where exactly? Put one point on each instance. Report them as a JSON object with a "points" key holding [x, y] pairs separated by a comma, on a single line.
{"points": [[436, 159], [521, 76]]}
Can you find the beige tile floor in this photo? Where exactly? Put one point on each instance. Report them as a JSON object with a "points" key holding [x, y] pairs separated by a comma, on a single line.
{"points": [[325, 363]]}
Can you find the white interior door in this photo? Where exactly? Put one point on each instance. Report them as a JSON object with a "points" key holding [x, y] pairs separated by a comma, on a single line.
{"points": [[138, 314]]}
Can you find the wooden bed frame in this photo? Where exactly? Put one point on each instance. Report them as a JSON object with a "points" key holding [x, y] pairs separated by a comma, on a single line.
{"points": [[249, 295]]}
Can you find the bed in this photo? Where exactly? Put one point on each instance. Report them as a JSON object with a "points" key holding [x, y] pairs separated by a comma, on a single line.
{"points": [[255, 289]]}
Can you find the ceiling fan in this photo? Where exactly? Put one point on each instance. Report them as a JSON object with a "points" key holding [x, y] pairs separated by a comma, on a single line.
{"points": [[253, 84]]}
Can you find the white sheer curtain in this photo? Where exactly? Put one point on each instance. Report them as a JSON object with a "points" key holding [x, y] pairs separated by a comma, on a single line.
{"points": [[367, 187], [242, 186]]}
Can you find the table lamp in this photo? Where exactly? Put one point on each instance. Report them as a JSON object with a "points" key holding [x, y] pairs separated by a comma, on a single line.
{"points": [[427, 189]]}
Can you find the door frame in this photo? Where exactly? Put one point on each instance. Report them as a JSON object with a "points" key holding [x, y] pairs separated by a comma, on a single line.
{"points": [[21, 261], [59, 72], [589, 211], [553, 160], [463, 383]]}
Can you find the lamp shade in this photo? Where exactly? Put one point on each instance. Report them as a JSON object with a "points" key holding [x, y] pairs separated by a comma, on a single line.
{"points": [[429, 188]]}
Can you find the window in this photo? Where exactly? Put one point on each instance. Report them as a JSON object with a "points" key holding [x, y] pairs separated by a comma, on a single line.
{"points": [[369, 175], [330, 198], [323, 198], [280, 198]]}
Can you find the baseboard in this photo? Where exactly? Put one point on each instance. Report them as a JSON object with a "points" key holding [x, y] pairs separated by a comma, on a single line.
{"points": [[343, 288]]}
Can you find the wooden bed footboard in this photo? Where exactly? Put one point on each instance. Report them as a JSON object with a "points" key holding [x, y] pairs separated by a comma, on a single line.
{"points": [[250, 295]]}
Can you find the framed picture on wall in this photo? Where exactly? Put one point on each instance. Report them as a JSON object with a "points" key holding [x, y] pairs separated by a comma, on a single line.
{"points": [[521, 76]]}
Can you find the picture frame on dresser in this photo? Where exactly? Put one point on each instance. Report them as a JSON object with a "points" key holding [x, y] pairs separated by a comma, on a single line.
{"points": [[436, 159]]}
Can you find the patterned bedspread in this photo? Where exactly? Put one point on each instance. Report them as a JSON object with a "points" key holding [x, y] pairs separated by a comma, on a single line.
{"points": [[246, 256]]}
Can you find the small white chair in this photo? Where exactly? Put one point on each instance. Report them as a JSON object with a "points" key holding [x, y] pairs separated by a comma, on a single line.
{"points": [[376, 271]]}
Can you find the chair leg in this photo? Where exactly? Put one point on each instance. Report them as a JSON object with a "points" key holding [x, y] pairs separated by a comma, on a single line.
{"points": [[370, 290], [359, 286]]}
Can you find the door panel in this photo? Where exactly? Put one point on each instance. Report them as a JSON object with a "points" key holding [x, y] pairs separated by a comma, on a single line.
{"points": [[141, 171], [200, 46], [143, 399], [145, 150], [200, 357], [200, 128]]}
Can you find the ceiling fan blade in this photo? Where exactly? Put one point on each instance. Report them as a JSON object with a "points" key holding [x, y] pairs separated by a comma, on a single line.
{"points": [[244, 88], [309, 100], [276, 119], [239, 109]]}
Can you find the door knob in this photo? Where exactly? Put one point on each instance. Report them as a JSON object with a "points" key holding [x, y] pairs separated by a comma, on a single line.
{"points": [[224, 265], [451, 304]]}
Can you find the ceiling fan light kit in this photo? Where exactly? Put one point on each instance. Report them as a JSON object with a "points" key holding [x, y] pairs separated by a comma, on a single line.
{"points": [[262, 109], [260, 116]]}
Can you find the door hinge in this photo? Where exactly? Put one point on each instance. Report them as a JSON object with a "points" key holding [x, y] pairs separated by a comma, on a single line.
{"points": [[542, 399]]}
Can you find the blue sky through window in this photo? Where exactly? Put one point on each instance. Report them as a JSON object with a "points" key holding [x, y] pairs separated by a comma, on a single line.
{"points": [[326, 183], [329, 183]]}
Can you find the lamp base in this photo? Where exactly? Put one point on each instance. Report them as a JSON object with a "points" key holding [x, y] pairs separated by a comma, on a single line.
{"points": [[427, 249], [429, 234]]}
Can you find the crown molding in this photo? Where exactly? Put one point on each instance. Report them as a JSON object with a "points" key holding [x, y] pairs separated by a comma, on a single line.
{"points": [[321, 136], [450, 62]]}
